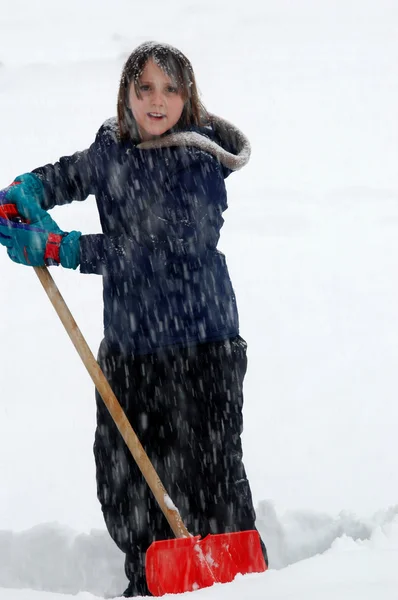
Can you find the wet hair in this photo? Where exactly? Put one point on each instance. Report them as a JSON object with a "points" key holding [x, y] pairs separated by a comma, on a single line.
{"points": [[174, 64]]}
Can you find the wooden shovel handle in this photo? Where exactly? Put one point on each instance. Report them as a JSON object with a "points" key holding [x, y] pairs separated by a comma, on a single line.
{"points": [[141, 458]]}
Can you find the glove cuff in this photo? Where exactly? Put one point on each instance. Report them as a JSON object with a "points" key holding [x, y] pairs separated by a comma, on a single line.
{"points": [[51, 252], [69, 251]]}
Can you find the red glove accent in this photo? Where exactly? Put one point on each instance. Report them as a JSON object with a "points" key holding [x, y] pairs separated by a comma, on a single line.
{"points": [[52, 247], [8, 211]]}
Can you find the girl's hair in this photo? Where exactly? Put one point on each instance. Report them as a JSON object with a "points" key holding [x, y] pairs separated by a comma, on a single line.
{"points": [[174, 64]]}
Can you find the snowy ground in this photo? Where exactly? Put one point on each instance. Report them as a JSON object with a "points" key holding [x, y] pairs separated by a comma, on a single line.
{"points": [[312, 246]]}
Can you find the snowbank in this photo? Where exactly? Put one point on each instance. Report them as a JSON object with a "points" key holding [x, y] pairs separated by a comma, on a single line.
{"points": [[54, 558]]}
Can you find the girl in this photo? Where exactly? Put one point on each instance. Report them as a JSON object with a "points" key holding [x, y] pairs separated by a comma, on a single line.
{"points": [[171, 349]]}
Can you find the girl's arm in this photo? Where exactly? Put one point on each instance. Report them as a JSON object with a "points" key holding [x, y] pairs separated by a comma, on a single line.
{"points": [[180, 228], [71, 178]]}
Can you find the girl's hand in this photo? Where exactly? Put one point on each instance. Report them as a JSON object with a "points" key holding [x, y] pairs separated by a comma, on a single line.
{"points": [[34, 246], [26, 193]]}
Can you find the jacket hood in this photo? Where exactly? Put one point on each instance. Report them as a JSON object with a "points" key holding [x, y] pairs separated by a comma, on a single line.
{"points": [[219, 138]]}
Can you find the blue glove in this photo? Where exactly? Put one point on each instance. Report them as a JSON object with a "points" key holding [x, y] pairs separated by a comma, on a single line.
{"points": [[27, 194], [35, 246], [22, 199], [31, 236]]}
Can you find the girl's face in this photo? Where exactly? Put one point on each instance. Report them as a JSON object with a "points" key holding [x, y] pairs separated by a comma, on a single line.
{"points": [[160, 106]]}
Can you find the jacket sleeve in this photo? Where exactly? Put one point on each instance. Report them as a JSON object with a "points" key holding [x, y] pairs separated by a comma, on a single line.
{"points": [[180, 227], [77, 176], [71, 178]]}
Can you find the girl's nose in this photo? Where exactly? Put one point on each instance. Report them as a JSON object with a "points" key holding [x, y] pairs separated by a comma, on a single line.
{"points": [[157, 97]]}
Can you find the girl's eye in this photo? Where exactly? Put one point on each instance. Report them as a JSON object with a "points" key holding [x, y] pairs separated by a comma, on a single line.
{"points": [[172, 89], [144, 87]]}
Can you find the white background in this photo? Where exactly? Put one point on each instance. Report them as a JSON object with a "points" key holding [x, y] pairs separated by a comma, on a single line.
{"points": [[310, 238]]}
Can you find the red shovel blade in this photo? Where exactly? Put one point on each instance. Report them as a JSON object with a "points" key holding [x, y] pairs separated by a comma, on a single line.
{"points": [[187, 564]]}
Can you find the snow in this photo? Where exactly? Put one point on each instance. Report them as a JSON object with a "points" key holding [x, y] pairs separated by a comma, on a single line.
{"points": [[358, 560], [169, 503], [314, 556], [312, 247]]}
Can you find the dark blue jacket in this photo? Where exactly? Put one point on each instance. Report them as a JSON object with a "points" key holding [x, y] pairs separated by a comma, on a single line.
{"points": [[164, 281]]}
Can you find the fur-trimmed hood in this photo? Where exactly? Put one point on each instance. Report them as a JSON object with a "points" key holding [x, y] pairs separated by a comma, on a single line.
{"points": [[219, 138]]}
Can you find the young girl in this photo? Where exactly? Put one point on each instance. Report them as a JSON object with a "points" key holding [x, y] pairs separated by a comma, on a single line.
{"points": [[171, 349]]}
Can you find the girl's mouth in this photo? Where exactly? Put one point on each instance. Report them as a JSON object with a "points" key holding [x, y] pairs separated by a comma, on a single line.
{"points": [[156, 116]]}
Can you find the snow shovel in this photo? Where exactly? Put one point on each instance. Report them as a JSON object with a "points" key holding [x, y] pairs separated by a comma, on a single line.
{"points": [[188, 562]]}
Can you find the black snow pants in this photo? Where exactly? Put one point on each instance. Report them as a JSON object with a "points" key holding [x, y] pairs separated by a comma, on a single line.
{"points": [[185, 405]]}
